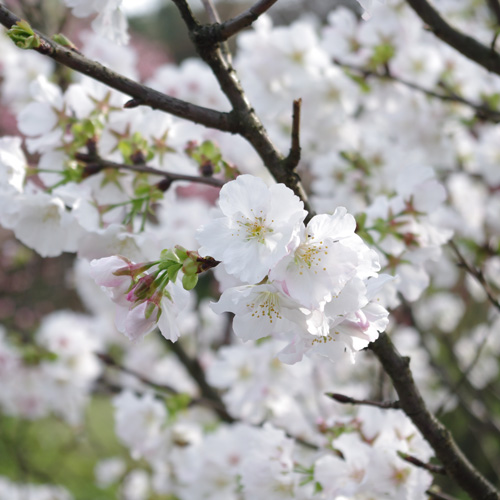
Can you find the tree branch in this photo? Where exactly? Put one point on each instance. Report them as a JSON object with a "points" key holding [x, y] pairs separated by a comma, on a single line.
{"points": [[109, 361], [202, 401], [248, 124], [476, 273], [243, 20], [293, 158], [171, 176], [454, 461], [436, 495], [144, 95], [494, 6], [484, 112], [433, 468], [211, 11], [385, 405], [241, 120], [477, 424], [196, 371], [466, 45]]}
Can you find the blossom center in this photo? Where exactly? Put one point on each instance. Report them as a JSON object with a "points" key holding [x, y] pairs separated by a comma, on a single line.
{"points": [[310, 254], [255, 229], [267, 304], [52, 214]]}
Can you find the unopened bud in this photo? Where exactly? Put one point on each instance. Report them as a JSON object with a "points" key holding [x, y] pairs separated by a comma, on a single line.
{"points": [[138, 158], [150, 309], [133, 103], [91, 169], [164, 184], [207, 169], [142, 290]]}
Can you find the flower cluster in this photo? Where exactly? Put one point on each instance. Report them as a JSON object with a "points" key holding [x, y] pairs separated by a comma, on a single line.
{"points": [[291, 285], [314, 286], [56, 373], [145, 299]]}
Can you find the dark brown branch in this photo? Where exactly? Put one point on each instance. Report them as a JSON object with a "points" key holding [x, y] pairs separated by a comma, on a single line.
{"points": [[436, 495], [109, 361], [385, 405], [214, 17], [171, 176], [482, 111], [437, 435], [477, 424], [211, 11], [241, 120], [494, 6], [202, 401], [243, 20], [454, 390], [476, 273], [466, 45], [293, 158], [145, 95], [196, 371], [248, 124], [433, 468], [186, 14]]}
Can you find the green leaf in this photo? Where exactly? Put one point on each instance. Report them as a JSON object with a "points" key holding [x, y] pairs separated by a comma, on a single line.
{"points": [[169, 255], [23, 35], [177, 403], [63, 40], [181, 253], [189, 281], [173, 271], [382, 54]]}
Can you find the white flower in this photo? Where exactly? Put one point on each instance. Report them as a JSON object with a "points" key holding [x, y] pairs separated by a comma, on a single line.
{"points": [[43, 224], [344, 476], [258, 225], [139, 422], [260, 310], [322, 263], [12, 165], [41, 116], [110, 21], [103, 272], [108, 471], [346, 325]]}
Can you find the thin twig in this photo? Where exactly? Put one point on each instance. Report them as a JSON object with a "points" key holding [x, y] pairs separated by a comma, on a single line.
{"points": [[433, 468], [201, 401], [211, 11], [494, 6], [196, 371], [214, 18], [293, 158], [436, 495], [109, 361], [186, 14], [476, 273], [171, 176], [243, 20], [466, 45], [478, 424], [464, 375], [481, 110], [385, 405], [436, 434]]}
